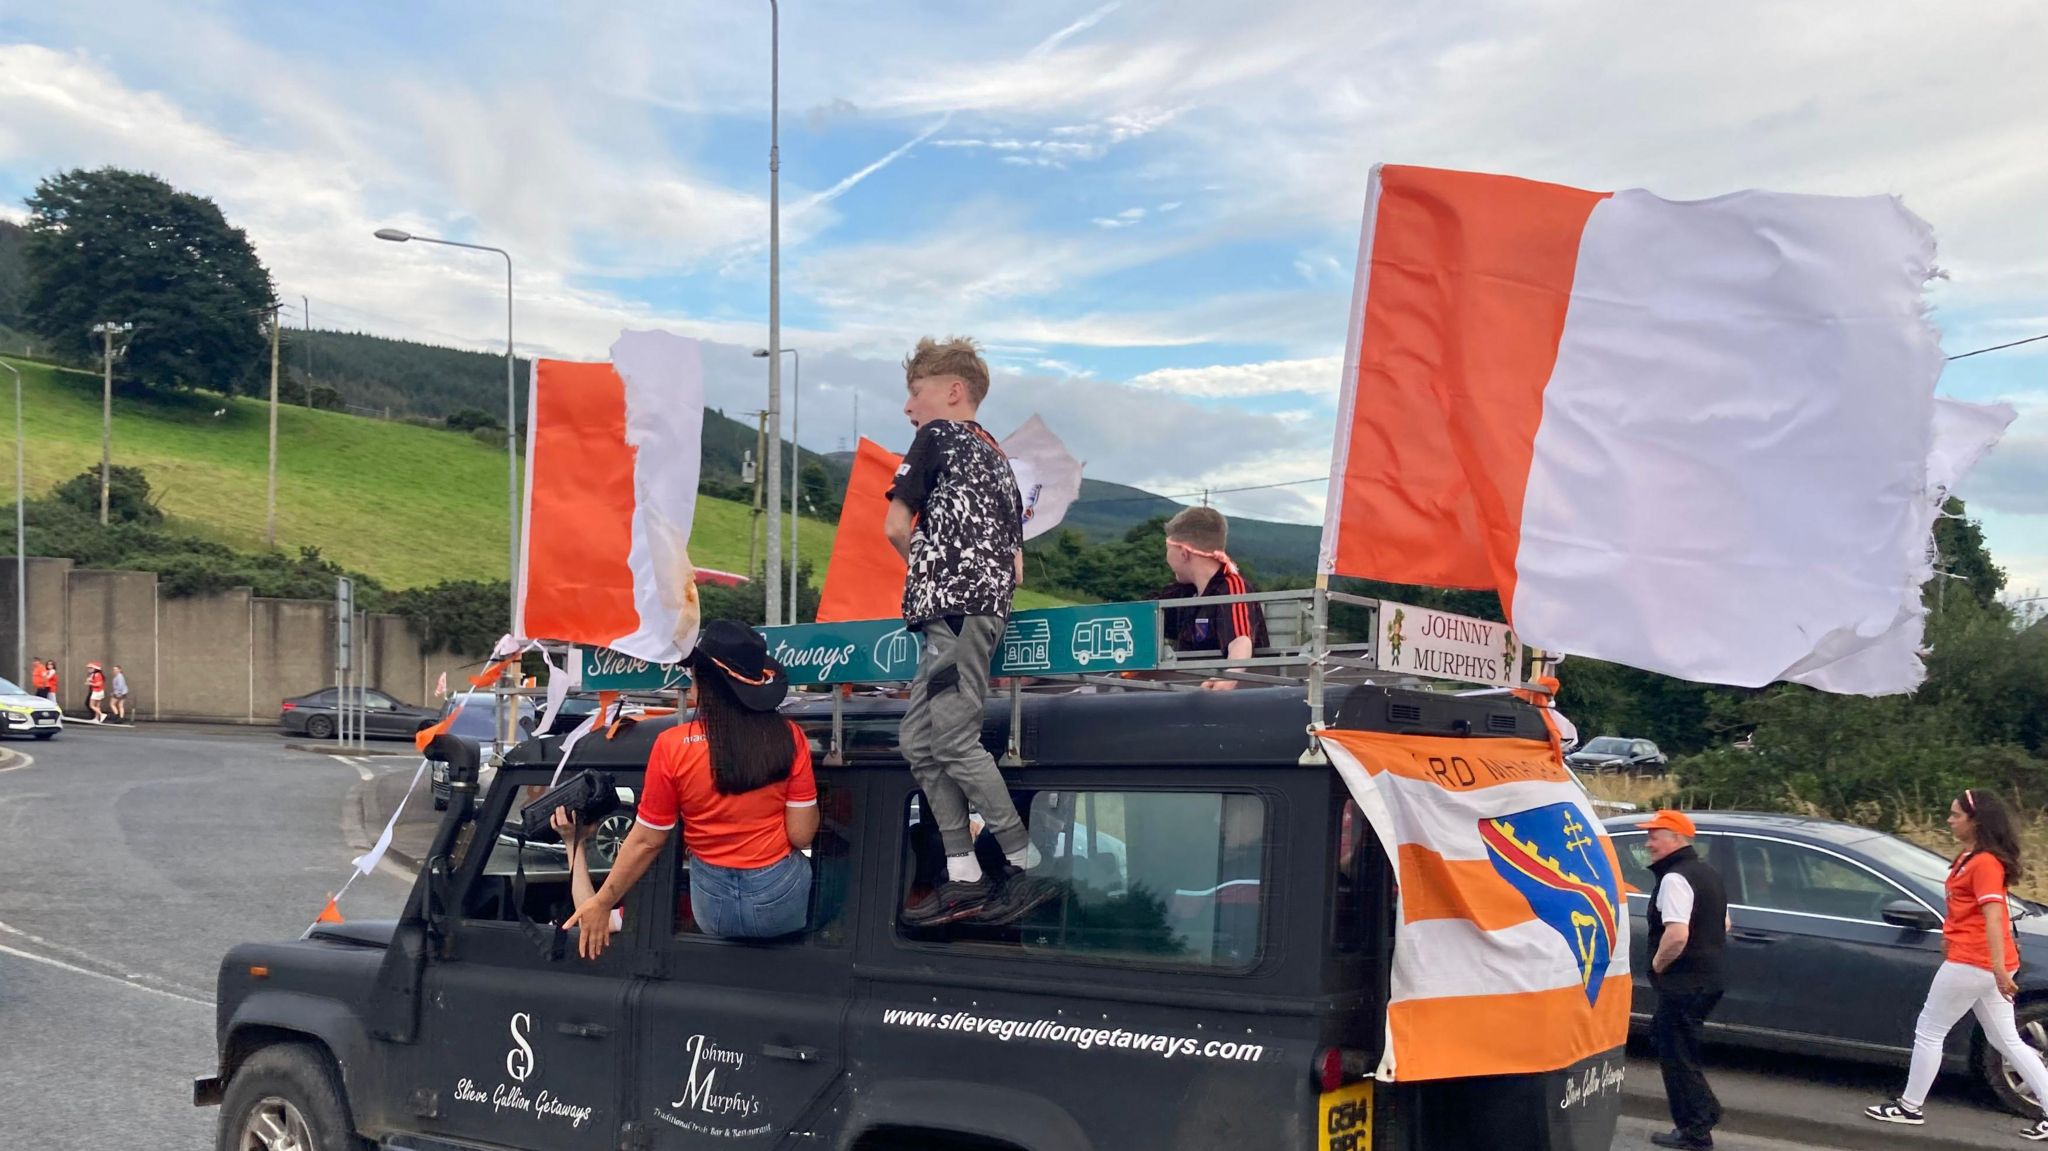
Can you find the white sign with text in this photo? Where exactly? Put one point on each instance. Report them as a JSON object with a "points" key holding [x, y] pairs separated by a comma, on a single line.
{"points": [[1437, 644]]}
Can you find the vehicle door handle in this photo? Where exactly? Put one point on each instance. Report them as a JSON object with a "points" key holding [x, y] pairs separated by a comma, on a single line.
{"points": [[1753, 937], [795, 1054], [584, 1030]]}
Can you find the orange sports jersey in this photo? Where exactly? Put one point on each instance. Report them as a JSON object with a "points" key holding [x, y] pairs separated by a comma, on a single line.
{"points": [[743, 831], [1974, 880]]}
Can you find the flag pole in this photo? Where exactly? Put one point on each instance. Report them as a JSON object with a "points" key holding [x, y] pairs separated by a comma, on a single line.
{"points": [[1318, 654]]}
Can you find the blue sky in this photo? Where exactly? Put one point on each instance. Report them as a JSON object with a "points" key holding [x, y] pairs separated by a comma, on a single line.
{"points": [[1148, 211]]}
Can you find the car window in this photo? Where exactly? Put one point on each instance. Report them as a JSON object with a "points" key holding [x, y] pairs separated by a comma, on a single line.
{"points": [[1166, 878], [536, 876], [1634, 852], [831, 857], [323, 698], [1781, 876], [1608, 745], [1643, 747]]}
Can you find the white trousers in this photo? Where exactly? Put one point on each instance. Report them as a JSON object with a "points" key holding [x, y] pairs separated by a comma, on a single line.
{"points": [[1958, 989]]}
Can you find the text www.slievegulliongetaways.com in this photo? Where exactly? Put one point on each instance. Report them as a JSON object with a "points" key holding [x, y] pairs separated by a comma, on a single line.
{"points": [[1084, 1038]]}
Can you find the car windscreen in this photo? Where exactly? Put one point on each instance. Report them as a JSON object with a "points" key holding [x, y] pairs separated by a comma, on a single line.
{"points": [[1607, 745], [9, 687], [1929, 869], [478, 718]]}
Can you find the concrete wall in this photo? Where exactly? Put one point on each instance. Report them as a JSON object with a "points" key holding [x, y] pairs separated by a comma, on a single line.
{"points": [[111, 620], [203, 646], [230, 656]]}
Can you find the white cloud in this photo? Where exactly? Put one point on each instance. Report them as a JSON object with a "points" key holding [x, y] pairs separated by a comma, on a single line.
{"points": [[13, 213], [1316, 376]]}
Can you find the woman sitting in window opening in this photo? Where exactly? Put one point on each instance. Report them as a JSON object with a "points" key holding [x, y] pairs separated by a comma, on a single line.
{"points": [[738, 778]]}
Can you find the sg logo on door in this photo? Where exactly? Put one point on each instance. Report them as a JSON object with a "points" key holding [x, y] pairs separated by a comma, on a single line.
{"points": [[519, 1060]]}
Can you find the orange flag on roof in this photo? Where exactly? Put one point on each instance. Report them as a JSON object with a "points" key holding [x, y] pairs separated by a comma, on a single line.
{"points": [[864, 579], [330, 913]]}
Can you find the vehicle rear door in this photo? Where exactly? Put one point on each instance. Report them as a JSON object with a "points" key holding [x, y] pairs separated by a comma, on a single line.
{"points": [[742, 1041], [1810, 953]]}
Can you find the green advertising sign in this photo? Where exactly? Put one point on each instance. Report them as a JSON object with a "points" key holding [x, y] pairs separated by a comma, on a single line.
{"points": [[1100, 638], [606, 670], [1051, 641]]}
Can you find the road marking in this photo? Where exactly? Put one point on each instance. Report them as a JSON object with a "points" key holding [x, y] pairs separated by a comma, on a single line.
{"points": [[363, 771], [26, 759], [124, 981]]}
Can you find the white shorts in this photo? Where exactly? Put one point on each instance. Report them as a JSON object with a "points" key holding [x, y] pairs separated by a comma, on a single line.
{"points": [[97, 696]]}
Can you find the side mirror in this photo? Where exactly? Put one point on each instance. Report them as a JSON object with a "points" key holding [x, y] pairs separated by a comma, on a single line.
{"points": [[461, 757], [1911, 915]]}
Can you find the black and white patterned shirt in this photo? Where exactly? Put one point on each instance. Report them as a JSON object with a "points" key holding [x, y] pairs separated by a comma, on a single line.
{"points": [[970, 523]]}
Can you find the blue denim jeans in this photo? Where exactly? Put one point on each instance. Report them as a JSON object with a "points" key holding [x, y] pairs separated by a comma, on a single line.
{"points": [[751, 903]]}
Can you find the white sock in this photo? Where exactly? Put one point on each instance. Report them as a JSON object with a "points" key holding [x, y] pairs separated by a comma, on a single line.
{"points": [[963, 868], [1027, 858]]}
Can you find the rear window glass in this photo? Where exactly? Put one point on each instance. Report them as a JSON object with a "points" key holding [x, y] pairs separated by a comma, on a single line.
{"points": [[1167, 878]]}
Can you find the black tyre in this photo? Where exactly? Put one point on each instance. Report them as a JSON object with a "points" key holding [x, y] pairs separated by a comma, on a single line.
{"points": [[285, 1097], [320, 727], [2005, 1083]]}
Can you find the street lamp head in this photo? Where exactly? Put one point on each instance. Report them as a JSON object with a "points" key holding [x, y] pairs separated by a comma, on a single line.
{"points": [[394, 235]]}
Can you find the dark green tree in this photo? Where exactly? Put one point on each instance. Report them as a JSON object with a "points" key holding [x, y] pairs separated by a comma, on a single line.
{"points": [[125, 246]]}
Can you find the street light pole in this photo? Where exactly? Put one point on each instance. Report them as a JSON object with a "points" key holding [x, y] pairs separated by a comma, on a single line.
{"points": [[506, 715], [107, 331], [270, 486], [20, 538], [796, 471], [774, 461]]}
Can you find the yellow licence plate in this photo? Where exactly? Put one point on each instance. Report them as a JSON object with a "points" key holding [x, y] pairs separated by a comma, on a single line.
{"points": [[1346, 1119]]}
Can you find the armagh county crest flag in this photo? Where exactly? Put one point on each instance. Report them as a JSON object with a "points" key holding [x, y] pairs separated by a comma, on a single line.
{"points": [[1511, 946]]}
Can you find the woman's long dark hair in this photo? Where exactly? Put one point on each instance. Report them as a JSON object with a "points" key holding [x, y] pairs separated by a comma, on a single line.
{"points": [[1996, 836], [749, 749]]}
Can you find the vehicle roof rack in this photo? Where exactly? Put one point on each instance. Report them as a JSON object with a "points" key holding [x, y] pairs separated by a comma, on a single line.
{"points": [[1091, 670]]}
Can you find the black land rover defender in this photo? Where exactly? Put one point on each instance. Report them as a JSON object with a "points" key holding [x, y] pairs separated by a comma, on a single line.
{"points": [[1214, 975]]}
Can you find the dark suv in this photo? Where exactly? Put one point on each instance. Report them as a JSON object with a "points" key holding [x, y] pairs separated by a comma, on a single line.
{"points": [[1214, 975]]}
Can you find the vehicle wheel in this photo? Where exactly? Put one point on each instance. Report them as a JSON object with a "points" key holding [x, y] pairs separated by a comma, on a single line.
{"points": [[610, 833], [285, 1098], [2032, 1017], [320, 727]]}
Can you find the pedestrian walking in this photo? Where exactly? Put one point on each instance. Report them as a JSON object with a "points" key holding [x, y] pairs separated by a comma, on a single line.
{"points": [[118, 689], [1688, 931], [96, 692], [1979, 955], [39, 678]]}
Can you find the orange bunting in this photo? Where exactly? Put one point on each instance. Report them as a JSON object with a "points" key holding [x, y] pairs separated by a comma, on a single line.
{"points": [[330, 913], [491, 673], [424, 737]]}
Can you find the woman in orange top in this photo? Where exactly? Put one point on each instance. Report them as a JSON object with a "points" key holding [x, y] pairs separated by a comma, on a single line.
{"points": [[1978, 959], [737, 777]]}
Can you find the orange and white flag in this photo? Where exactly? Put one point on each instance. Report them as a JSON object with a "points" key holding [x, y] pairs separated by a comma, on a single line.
{"points": [[613, 453], [1694, 437], [1511, 942], [864, 578]]}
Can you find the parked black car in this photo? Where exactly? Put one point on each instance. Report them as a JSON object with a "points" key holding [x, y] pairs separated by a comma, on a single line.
{"points": [[1837, 932], [315, 714], [1149, 1006], [1619, 753]]}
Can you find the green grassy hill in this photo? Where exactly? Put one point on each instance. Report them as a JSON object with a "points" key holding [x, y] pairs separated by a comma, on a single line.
{"points": [[409, 505]]}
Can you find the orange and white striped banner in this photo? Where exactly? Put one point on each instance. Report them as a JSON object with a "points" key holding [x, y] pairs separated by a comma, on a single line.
{"points": [[1511, 948]]}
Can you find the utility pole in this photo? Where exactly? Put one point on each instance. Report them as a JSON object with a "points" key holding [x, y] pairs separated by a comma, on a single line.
{"points": [[306, 314], [760, 445], [773, 459], [270, 489], [107, 331]]}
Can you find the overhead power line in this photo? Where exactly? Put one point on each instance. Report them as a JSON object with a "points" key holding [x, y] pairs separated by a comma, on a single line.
{"points": [[2000, 347]]}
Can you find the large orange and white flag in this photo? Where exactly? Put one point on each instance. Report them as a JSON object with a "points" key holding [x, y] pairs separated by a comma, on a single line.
{"points": [[1694, 437], [613, 453], [1511, 943]]}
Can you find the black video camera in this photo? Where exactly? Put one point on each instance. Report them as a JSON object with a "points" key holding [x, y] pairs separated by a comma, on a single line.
{"points": [[588, 796]]}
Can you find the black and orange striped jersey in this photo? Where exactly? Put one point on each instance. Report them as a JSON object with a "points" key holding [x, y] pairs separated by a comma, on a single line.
{"points": [[1211, 627]]}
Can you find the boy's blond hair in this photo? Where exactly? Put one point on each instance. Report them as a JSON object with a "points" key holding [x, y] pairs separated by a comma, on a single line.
{"points": [[956, 356], [1201, 528]]}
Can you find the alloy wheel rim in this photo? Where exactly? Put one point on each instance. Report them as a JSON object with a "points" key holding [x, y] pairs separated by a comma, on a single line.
{"points": [[2034, 1033], [275, 1124]]}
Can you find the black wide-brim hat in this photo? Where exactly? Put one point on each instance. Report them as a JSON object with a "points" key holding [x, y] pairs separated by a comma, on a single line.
{"points": [[737, 653]]}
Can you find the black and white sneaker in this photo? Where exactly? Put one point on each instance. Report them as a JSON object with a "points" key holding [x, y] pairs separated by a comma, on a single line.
{"points": [[1896, 1111], [2038, 1132], [949, 902], [1016, 897]]}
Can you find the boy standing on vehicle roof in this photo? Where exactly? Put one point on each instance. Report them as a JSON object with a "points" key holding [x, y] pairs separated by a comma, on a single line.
{"points": [[957, 519], [1195, 540]]}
